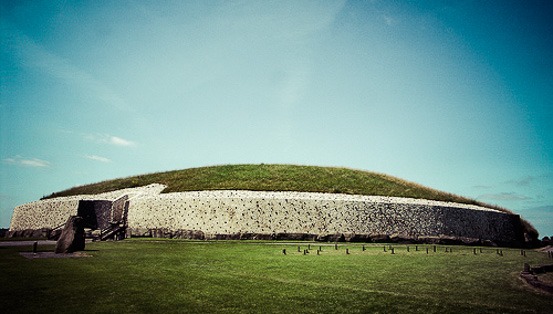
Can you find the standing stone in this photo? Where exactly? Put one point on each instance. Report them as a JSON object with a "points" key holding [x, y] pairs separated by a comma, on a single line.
{"points": [[72, 236]]}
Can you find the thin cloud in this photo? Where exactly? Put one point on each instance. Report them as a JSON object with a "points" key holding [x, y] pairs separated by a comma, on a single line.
{"points": [[98, 158], [109, 139], [114, 140], [27, 162], [505, 196], [522, 182], [389, 20]]}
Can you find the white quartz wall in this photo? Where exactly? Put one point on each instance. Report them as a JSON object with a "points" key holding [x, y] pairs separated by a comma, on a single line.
{"points": [[43, 214], [233, 212]]}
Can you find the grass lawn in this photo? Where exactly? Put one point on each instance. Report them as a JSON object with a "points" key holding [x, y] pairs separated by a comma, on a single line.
{"points": [[147, 276]]}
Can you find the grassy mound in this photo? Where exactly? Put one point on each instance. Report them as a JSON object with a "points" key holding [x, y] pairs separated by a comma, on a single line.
{"points": [[280, 178], [273, 178]]}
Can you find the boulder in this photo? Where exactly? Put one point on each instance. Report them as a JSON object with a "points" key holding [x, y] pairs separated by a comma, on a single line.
{"points": [[72, 236]]}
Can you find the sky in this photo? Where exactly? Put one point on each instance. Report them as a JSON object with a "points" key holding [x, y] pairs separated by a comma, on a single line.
{"points": [[454, 95]]}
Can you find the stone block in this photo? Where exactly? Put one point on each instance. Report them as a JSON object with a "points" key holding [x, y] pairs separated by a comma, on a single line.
{"points": [[72, 237]]}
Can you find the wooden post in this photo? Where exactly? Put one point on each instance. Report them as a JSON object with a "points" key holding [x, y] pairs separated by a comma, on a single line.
{"points": [[481, 250], [35, 245], [299, 249], [474, 251], [320, 248], [318, 252], [416, 248], [363, 247], [426, 250], [309, 246], [384, 248], [407, 248], [347, 251], [434, 249], [393, 251], [335, 246], [284, 251]]}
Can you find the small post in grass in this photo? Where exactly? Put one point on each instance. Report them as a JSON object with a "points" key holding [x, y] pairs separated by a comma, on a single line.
{"points": [[526, 268], [416, 248], [501, 253], [318, 251], [35, 245], [284, 251], [320, 248], [446, 250], [335, 246], [481, 250], [299, 249], [309, 246], [474, 251], [363, 247], [393, 251], [384, 248], [347, 251], [426, 250], [407, 248], [434, 249]]}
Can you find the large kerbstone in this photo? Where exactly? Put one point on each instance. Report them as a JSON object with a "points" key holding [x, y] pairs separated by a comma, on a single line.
{"points": [[72, 236]]}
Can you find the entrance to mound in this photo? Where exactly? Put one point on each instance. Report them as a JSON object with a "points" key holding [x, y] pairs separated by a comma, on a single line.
{"points": [[96, 214]]}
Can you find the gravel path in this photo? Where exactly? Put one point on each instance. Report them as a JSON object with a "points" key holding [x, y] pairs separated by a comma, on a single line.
{"points": [[26, 243]]}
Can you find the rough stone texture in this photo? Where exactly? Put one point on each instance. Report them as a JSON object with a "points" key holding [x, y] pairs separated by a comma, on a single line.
{"points": [[72, 237], [288, 215], [529, 275]]}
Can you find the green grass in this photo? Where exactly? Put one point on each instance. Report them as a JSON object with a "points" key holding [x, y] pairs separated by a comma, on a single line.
{"points": [[273, 178], [145, 276], [281, 178]]}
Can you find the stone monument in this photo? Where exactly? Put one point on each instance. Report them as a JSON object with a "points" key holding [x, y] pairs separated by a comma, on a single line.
{"points": [[72, 237]]}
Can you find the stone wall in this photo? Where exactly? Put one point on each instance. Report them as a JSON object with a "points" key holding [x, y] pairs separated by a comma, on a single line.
{"points": [[217, 213], [43, 214], [285, 215]]}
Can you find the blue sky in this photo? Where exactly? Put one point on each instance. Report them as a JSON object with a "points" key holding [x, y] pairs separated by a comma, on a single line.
{"points": [[454, 95]]}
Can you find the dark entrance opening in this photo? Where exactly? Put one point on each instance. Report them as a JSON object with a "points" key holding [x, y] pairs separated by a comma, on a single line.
{"points": [[87, 211]]}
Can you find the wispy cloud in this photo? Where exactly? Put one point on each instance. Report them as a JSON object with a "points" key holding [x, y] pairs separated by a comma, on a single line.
{"points": [[109, 139], [522, 182], [114, 140], [504, 196], [19, 160], [98, 158], [389, 20]]}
